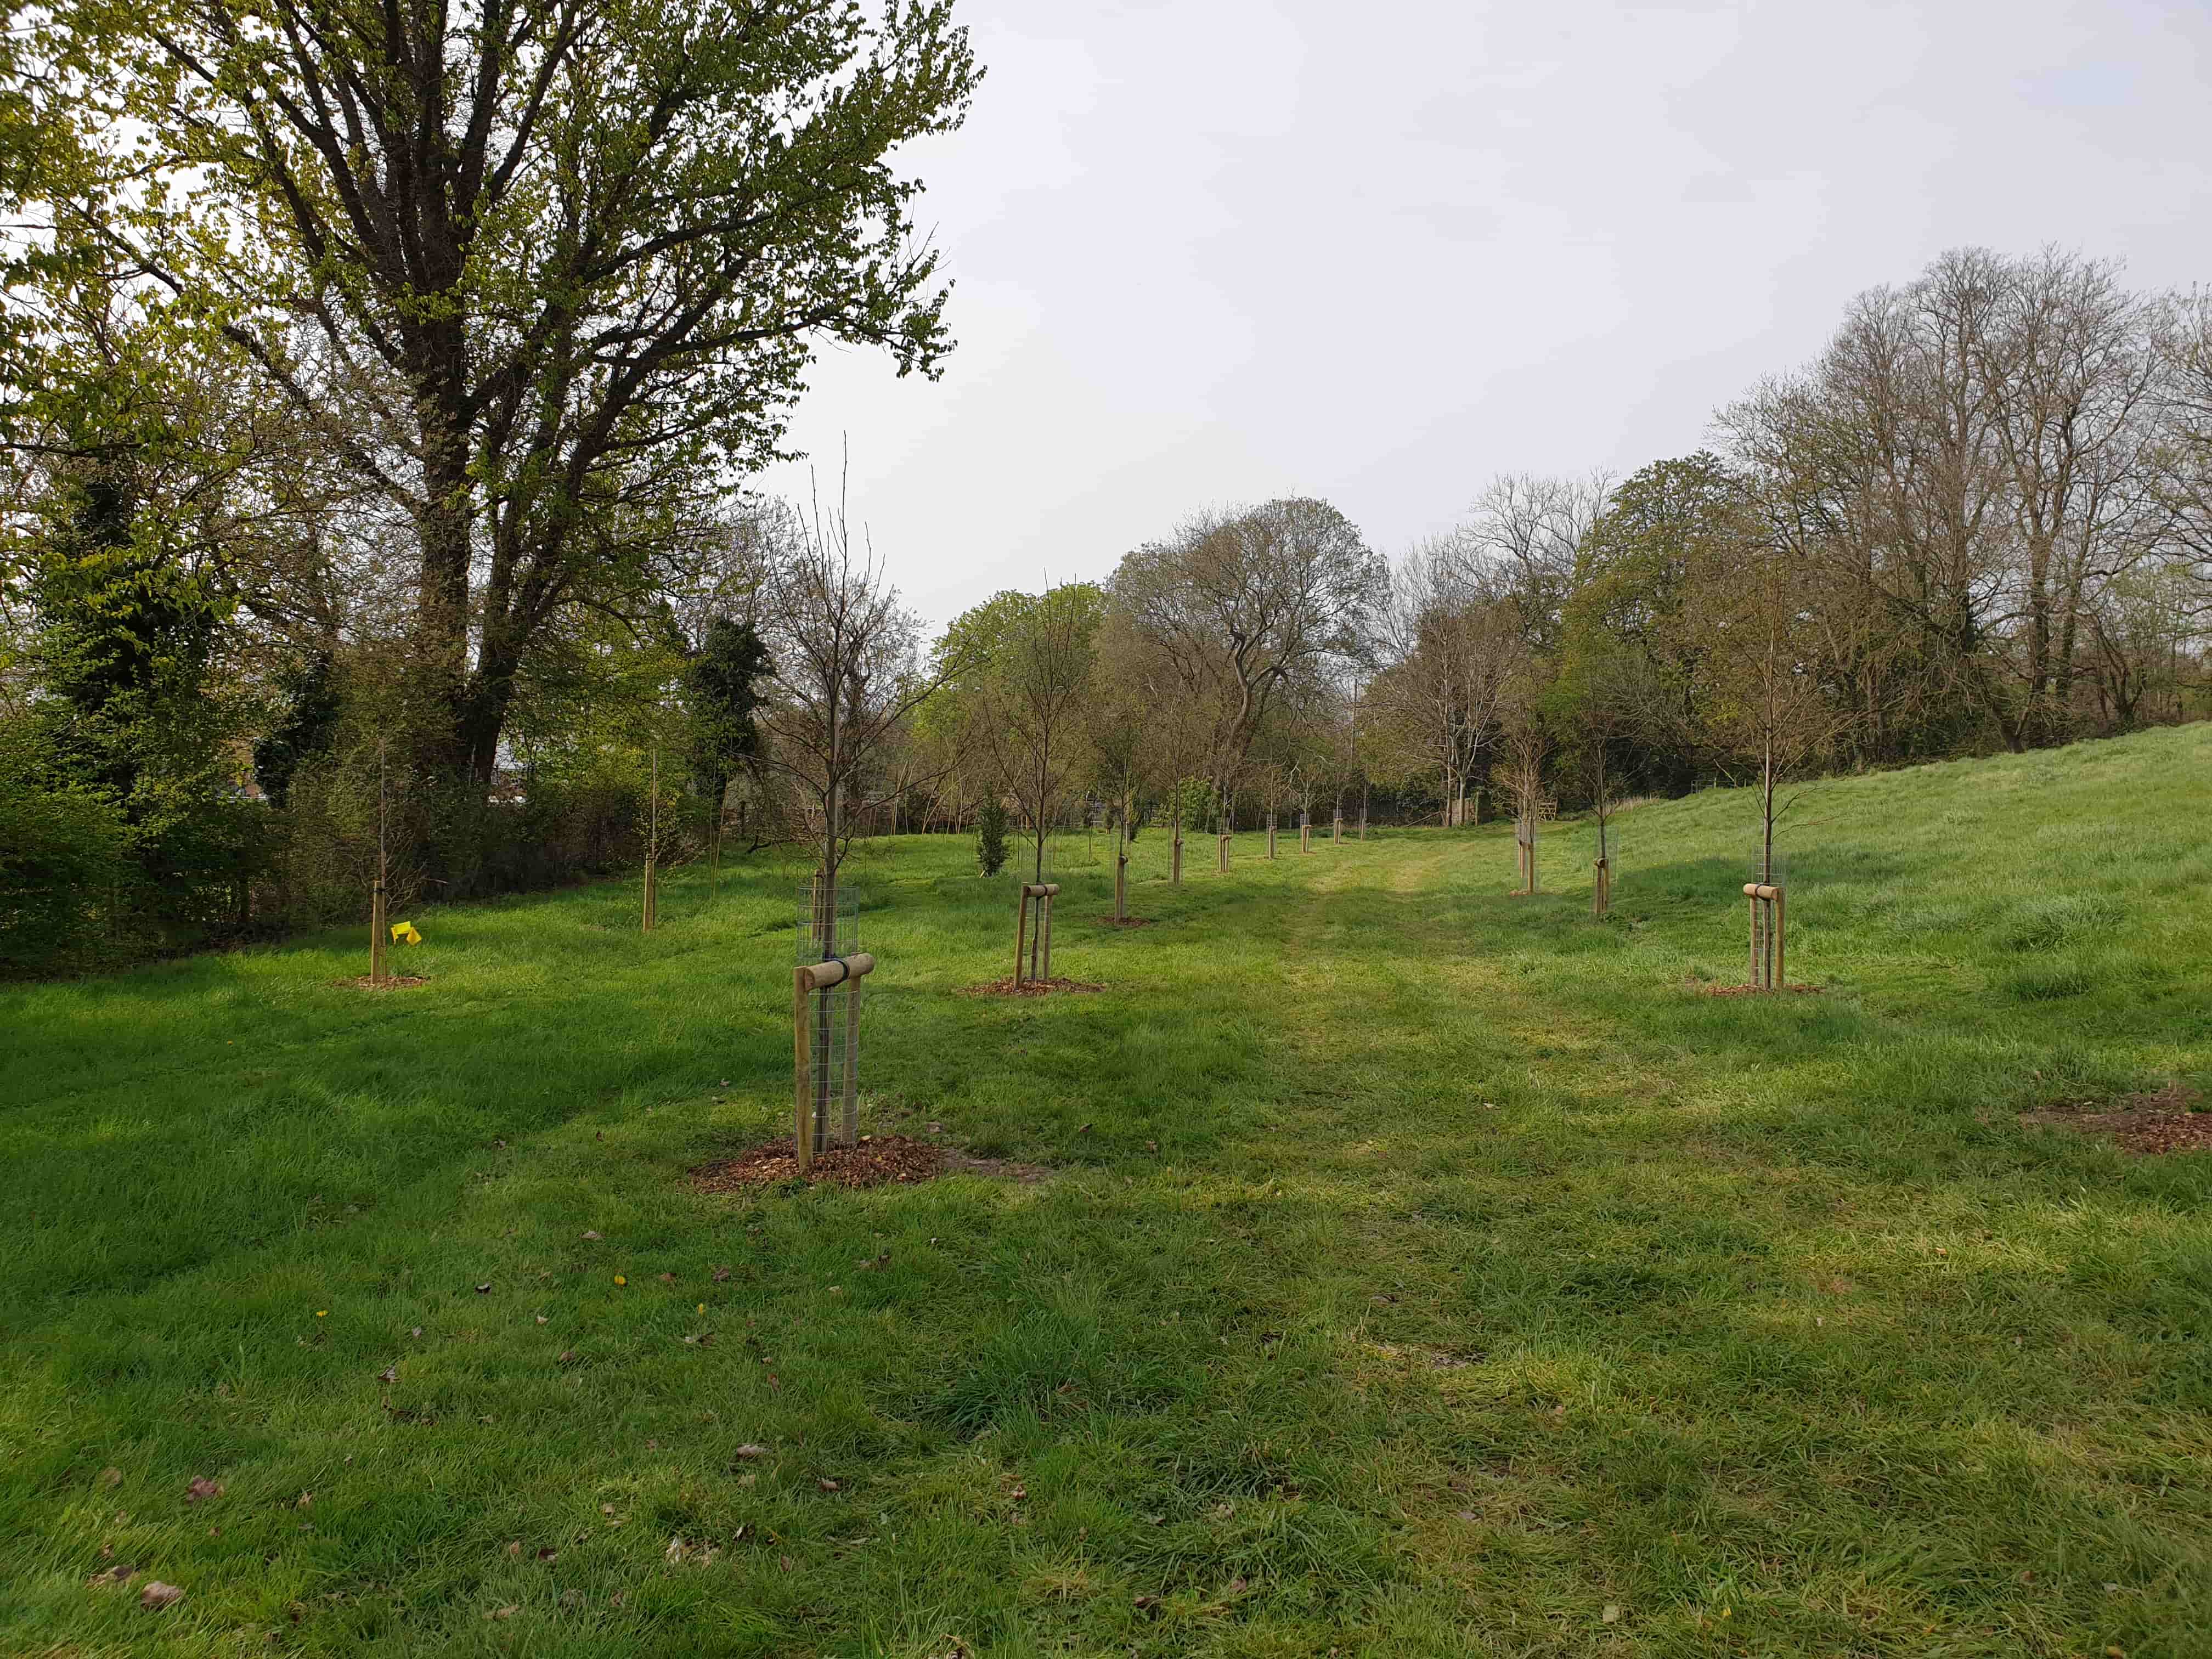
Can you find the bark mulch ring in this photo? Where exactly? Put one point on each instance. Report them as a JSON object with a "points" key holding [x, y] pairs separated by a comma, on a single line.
{"points": [[389, 983], [2147, 1125], [1753, 990], [878, 1161], [1029, 988], [1125, 922]]}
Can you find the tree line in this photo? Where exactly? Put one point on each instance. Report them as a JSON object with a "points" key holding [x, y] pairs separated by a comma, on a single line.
{"points": [[1980, 518], [378, 386]]}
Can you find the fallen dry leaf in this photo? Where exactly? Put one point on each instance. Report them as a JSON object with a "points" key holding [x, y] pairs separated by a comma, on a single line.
{"points": [[484, 1289], [389, 1374], [825, 1483], [668, 1278], [514, 1546], [567, 1357], [158, 1594], [418, 1331], [752, 1451], [306, 1500], [1611, 1614], [121, 1573], [595, 1237], [721, 1273], [110, 1477], [201, 1487], [503, 1613]]}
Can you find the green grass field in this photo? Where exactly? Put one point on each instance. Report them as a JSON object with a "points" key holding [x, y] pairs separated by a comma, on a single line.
{"points": [[1422, 1270]]}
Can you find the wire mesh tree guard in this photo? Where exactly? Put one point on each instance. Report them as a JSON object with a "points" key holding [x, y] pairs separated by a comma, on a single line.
{"points": [[1764, 898], [1769, 963], [1305, 832]]}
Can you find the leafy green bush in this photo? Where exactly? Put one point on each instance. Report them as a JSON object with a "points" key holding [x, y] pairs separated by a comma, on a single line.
{"points": [[991, 836], [63, 861]]}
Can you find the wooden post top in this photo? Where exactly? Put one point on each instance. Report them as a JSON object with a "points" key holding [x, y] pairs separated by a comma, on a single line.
{"points": [[1039, 889], [821, 975], [1760, 890]]}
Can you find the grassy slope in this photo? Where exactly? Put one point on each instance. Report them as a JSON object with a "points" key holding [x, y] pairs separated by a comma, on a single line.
{"points": [[1486, 1277]]}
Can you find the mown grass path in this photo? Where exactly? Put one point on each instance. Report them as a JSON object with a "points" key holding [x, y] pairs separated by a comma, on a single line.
{"points": [[1423, 1270]]}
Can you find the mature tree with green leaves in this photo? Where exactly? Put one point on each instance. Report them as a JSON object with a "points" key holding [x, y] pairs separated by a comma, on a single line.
{"points": [[1242, 608], [723, 682], [525, 265]]}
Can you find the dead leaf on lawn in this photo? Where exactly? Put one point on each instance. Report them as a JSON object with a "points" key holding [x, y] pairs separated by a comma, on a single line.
{"points": [[752, 1451], [417, 1332], [122, 1573], [721, 1273], [158, 1594], [200, 1487], [567, 1357], [594, 1237], [1611, 1614], [110, 1477], [668, 1278], [503, 1613], [825, 1483], [484, 1289], [389, 1374], [306, 1500]]}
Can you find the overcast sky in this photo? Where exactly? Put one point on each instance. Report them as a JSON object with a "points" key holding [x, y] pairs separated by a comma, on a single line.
{"points": [[1216, 251]]}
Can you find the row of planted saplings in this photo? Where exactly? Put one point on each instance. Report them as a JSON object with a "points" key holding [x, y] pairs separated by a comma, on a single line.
{"points": [[825, 1048], [1227, 833]]}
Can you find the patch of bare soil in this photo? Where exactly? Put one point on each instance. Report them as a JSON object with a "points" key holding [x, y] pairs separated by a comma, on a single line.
{"points": [[1030, 987], [389, 982], [1125, 922], [2148, 1125], [878, 1161], [997, 1168], [1753, 990]]}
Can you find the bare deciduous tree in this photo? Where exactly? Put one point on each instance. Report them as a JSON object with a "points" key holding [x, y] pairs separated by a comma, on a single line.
{"points": [[845, 675]]}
